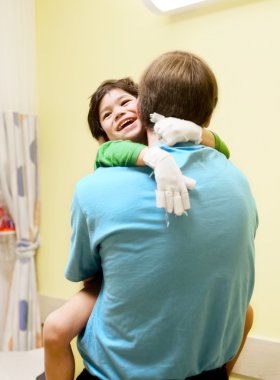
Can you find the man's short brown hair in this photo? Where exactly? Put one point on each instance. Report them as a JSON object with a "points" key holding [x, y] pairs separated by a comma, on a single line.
{"points": [[178, 84]]}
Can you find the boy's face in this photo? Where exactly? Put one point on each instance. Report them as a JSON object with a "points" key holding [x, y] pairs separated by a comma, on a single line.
{"points": [[118, 116]]}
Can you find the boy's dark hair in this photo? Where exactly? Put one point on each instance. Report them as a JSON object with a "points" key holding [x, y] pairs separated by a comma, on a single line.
{"points": [[125, 84], [178, 84]]}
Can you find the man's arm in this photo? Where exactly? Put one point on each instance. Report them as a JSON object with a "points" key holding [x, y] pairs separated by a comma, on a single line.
{"points": [[83, 263]]}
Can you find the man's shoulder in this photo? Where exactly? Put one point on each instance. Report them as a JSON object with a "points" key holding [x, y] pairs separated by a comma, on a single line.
{"points": [[85, 186], [85, 181], [105, 178]]}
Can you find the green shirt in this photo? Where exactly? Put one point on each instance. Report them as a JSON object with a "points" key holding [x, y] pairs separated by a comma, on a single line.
{"points": [[126, 152], [220, 146], [118, 153]]}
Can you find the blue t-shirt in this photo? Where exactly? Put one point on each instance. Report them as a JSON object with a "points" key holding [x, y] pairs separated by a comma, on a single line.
{"points": [[173, 298]]}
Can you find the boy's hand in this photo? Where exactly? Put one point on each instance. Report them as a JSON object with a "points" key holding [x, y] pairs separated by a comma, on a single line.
{"points": [[171, 130], [172, 187]]}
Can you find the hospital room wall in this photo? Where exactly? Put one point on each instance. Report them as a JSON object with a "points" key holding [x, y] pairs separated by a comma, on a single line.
{"points": [[81, 43]]}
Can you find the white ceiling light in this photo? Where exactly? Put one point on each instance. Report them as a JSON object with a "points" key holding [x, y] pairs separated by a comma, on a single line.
{"points": [[174, 6]]}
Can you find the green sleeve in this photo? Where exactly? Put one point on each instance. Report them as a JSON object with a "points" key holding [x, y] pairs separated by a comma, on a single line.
{"points": [[221, 146], [118, 153]]}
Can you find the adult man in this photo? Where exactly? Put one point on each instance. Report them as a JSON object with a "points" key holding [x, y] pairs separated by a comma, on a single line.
{"points": [[173, 299]]}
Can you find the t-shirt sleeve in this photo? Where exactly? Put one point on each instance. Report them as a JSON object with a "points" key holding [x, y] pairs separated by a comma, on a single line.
{"points": [[82, 263], [221, 146], [118, 153]]}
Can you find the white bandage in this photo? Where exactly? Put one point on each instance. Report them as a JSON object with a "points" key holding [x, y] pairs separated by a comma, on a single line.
{"points": [[171, 130], [172, 185]]}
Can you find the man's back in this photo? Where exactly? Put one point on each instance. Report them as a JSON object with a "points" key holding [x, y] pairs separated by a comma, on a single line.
{"points": [[175, 289]]}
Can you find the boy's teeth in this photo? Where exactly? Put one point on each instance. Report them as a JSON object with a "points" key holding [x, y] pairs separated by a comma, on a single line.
{"points": [[125, 122]]}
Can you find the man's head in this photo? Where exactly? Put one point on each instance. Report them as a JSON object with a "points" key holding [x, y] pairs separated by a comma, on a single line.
{"points": [[105, 89], [178, 84]]}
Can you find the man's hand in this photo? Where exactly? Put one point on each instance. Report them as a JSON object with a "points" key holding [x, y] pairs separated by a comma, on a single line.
{"points": [[172, 187], [171, 130]]}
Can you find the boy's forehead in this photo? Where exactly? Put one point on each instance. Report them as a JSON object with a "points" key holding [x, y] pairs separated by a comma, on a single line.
{"points": [[114, 96]]}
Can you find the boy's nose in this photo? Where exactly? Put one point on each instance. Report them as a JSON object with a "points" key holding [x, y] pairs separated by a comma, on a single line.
{"points": [[118, 113]]}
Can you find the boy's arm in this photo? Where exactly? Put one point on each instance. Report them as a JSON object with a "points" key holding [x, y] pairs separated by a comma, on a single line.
{"points": [[172, 130], [171, 193], [118, 153], [220, 145], [211, 139]]}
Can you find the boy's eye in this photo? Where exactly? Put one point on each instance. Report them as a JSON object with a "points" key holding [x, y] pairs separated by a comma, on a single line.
{"points": [[107, 114], [125, 101]]}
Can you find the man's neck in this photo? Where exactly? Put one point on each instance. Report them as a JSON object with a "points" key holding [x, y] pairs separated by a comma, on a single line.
{"points": [[152, 137]]}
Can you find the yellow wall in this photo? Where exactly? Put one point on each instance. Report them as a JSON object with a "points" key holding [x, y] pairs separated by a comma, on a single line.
{"points": [[81, 43]]}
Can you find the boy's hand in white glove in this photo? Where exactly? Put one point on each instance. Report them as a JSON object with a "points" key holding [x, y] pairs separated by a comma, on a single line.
{"points": [[172, 186], [171, 130]]}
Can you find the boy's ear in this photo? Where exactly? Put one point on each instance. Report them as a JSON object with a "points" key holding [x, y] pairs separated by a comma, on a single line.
{"points": [[101, 140]]}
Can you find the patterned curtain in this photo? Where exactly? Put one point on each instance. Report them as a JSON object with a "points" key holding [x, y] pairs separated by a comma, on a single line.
{"points": [[19, 184], [7, 260]]}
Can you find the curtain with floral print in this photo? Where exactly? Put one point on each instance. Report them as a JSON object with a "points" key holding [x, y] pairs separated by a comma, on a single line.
{"points": [[19, 185]]}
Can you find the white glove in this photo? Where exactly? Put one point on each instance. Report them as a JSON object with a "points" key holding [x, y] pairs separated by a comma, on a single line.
{"points": [[172, 186], [172, 130]]}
